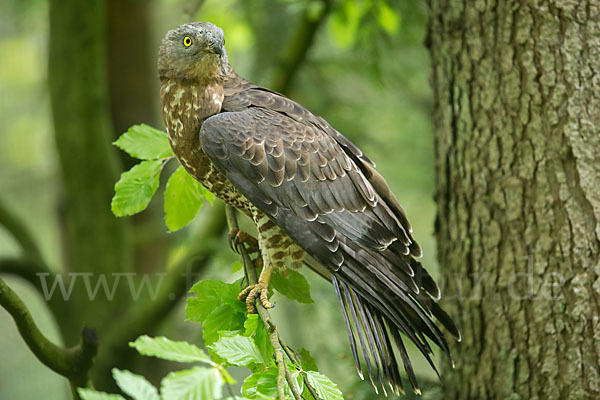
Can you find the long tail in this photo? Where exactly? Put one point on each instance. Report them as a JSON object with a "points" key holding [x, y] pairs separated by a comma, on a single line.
{"points": [[381, 306]]}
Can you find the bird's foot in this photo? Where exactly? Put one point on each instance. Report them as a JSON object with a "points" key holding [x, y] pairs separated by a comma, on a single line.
{"points": [[253, 292], [237, 238]]}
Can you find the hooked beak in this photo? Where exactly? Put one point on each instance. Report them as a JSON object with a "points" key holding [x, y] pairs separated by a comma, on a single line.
{"points": [[216, 47]]}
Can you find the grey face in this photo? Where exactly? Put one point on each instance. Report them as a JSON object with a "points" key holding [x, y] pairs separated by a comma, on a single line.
{"points": [[191, 49]]}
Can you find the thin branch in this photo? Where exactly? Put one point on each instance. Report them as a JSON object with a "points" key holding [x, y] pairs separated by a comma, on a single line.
{"points": [[264, 315], [16, 227], [296, 49], [74, 364], [279, 359], [292, 356], [292, 385]]}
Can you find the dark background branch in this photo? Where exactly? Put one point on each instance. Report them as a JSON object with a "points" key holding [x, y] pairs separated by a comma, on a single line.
{"points": [[296, 49], [18, 230], [26, 268], [73, 364]]}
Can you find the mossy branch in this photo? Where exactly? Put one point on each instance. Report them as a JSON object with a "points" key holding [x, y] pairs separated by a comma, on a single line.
{"points": [[30, 263], [74, 364]]}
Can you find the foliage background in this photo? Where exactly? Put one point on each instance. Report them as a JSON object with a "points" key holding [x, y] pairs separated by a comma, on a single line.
{"points": [[373, 87]]}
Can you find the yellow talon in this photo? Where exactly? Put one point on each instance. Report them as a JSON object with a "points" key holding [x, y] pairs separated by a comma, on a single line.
{"points": [[251, 293]]}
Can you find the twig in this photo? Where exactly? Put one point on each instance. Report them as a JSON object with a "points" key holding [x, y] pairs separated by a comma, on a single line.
{"points": [[292, 356], [292, 385], [74, 364], [266, 318]]}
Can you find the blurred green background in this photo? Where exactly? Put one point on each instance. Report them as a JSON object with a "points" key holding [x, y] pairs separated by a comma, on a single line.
{"points": [[366, 74]]}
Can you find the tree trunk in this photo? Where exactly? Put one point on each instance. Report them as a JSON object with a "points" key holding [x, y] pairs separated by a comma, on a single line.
{"points": [[517, 91], [95, 241]]}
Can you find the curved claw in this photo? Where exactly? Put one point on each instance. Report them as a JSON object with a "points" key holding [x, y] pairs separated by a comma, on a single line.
{"points": [[231, 238], [237, 238], [251, 293]]}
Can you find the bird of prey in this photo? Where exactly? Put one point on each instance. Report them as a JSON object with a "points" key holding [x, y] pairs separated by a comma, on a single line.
{"points": [[314, 196]]}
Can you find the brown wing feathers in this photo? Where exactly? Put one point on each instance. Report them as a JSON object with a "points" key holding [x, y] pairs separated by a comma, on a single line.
{"points": [[320, 189]]}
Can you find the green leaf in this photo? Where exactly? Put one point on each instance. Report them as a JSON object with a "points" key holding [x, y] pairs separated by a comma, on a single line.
{"points": [[254, 327], [134, 385], [238, 350], [223, 318], [136, 187], [388, 19], [251, 324], [208, 195], [307, 361], [326, 389], [236, 266], [172, 350], [183, 199], [263, 384], [145, 142], [261, 338], [295, 286], [199, 383], [210, 294], [89, 394]]}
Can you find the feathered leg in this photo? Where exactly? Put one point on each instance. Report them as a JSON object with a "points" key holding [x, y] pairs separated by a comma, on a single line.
{"points": [[275, 252]]}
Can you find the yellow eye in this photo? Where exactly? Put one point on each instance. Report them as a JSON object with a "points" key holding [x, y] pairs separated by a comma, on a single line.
{"points": [[187, 41]]}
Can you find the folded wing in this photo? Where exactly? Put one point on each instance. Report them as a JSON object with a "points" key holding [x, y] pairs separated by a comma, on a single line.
{"points": [[326, 195]]}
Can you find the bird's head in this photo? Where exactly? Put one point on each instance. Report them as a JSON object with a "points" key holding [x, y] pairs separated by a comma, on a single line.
{"points": [[194, 51]]}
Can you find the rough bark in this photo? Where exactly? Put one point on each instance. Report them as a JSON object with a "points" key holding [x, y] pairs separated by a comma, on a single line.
{"points": [[517, 91]]}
